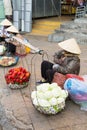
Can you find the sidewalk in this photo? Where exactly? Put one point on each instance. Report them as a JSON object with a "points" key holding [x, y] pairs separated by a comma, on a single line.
{"points": [[16, 109]]}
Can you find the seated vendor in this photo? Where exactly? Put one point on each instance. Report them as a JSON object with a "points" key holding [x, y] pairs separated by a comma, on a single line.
{"points": [[11, 45], [66, 61], [3, 33], [21, 40]]}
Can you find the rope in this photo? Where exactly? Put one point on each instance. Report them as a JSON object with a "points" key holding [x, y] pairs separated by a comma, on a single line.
{"points": [[34, 58]]}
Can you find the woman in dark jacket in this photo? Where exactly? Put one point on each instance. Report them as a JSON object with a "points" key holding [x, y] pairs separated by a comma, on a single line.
{"points": [[66, 61]]}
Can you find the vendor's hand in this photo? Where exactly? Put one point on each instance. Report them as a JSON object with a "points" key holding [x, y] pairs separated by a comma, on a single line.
{"points": [[55, 66]]}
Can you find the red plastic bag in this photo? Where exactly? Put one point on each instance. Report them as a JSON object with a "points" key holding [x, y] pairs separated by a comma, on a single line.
{"points": [[59, 79], [74, 76]]}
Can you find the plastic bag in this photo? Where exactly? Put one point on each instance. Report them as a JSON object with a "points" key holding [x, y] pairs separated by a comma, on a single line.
{"points": [[77, 91], [74, 76], [84, 78]]}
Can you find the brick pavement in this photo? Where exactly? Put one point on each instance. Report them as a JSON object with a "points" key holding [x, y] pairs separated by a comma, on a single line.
{"points": [[18, 112]]}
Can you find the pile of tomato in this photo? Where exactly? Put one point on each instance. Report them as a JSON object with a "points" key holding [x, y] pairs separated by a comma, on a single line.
{"points": [[17, 76]]}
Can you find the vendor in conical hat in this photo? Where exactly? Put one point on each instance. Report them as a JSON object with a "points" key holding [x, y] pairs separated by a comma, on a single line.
{"points": [[11, 46], [70, 46], [12, 29], [4, 24], [23, 41], [66, 61]]}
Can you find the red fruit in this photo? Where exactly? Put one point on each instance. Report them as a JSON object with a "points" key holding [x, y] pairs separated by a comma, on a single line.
{"points": [[11, 70], [17, 75], [12, 82], [21, 68], [20, 81], [27, 75], [24, 79], [17, 80]]}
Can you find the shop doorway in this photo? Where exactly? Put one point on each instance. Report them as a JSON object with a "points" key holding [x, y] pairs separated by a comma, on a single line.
{"points": [[49, 17]]}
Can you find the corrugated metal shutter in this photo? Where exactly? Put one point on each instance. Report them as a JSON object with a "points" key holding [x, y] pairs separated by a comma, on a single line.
{"points": [[45, 8], [22, 14]]}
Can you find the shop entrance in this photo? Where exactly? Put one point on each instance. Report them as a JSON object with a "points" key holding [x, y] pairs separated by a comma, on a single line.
{"points": [[48, 16]]}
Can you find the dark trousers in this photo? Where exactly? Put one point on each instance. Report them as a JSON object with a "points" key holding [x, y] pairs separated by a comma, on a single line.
{"points": [[11, 48], [2, 39], [47, 71]]}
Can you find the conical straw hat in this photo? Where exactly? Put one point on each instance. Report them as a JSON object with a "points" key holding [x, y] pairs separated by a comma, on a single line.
{"points": [[70, 45], [12, 29], [6, 22]]}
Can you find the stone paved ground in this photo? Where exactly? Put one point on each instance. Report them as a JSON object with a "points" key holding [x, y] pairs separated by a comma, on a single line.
{"points": [[0, 127], [75, 28], [16, 109]]}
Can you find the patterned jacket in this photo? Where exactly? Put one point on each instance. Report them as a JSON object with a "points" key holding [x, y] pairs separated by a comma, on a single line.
{"points": [[70, 65]]}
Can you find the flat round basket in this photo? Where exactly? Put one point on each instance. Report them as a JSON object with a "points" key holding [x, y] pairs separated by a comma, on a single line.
{"points": [[17, 86], [6, 61], [52, 109]]}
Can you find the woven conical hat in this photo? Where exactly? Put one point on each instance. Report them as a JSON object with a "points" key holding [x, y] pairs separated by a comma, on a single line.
{"points": [[12, 29], [6, 22], [70, 45]]}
